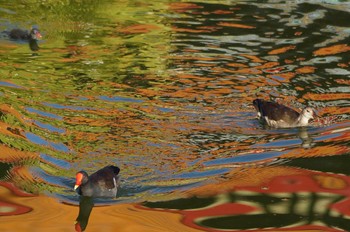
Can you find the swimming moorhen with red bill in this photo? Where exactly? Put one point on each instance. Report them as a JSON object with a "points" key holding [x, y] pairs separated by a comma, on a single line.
{"points": [[103, 183], [32, 37], [280, 116]]}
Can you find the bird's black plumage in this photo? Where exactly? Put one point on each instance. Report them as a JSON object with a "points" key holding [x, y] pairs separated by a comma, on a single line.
{"points": [[102, 183], [31, 36]]}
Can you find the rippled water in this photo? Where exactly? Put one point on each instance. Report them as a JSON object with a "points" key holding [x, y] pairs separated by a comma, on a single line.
{"points": [[164, 90]]}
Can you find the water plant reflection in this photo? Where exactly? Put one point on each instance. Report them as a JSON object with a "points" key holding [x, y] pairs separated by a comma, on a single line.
{"points": [[164, 88], [300, 199]]}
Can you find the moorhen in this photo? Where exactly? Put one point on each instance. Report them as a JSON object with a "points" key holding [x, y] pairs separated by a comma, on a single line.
{"points": [[103, 183], [280, 116], [32, 37]]}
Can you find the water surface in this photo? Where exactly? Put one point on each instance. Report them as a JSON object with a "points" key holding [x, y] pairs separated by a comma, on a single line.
{"points": [[164, 90]]}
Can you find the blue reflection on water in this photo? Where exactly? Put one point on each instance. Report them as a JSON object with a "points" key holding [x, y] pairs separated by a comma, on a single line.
{"points": [[49, 127], [245, 158], [328, 136], [120, 99], [59, 147], [58, 106], [57, 162], [42, 113], [166, 110], [3, 83], [55, 180], [38, 140], [208, 173], [279, 143], [279, 78]]}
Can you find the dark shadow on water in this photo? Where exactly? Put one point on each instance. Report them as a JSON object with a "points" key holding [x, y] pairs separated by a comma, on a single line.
{"points": [[338, 164], [4, 168]]}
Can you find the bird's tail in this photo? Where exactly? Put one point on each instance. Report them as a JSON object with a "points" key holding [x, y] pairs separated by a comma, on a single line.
{"points": [[115, 169]]}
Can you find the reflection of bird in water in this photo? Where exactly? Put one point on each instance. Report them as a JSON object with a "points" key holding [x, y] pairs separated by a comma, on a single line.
{"points": [[32, 37], [85, 207], [103, 183], [307, 140], [280, 116]]}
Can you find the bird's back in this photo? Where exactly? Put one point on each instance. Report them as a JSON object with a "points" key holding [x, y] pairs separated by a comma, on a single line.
{"points": [[103, 183], [18, 34], [275, 112]]}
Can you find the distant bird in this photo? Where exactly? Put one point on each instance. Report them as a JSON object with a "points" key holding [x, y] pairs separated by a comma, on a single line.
{"points": [[280, 116], [31, 36], [103, 183]]}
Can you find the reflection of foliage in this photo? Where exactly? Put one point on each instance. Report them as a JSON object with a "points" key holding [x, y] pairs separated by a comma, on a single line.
{"points": [[11, 120], [16, 143], [4, 168], [89, 49], [183, 72], [52, 11], [122, 30]]}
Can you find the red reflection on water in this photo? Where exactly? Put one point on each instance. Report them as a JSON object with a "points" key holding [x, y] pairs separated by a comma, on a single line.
{"points": [[321, 197], [8, 208]]}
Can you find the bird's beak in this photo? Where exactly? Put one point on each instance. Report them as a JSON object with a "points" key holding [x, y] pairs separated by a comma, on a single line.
{"points": [[76, 186], [38, 36]]}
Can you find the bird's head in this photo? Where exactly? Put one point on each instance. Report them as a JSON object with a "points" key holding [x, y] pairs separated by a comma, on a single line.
{"points": [[35, 34], [80, 178], [309, 114]]}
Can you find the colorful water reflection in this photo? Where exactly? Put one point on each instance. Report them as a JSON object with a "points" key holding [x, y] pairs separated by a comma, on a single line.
{"points": [[164, 91], [297, 200]]}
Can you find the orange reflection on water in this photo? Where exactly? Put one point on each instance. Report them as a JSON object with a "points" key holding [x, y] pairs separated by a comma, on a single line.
{"points": [[238, 25], [182, 7], [8, 154], [313, 199], [331, 50], [49, 215], [281, 50], [8, 194]]}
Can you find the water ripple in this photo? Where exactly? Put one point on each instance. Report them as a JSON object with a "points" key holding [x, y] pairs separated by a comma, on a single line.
{"points": [[165, 92], [40, 141], [44, 114]]}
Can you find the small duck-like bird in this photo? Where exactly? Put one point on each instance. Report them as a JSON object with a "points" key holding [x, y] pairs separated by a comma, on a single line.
{"points": [[32, 37], [102, 183], [280, 116]]}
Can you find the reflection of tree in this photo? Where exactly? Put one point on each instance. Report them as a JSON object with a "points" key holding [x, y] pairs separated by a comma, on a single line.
{"points": [[7, 206], [302, 201], [280, 212], [190, 67], [106, 46], [67, 12]]}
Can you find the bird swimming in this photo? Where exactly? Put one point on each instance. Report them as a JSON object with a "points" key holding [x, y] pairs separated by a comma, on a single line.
{"points": [[280, 116]]}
